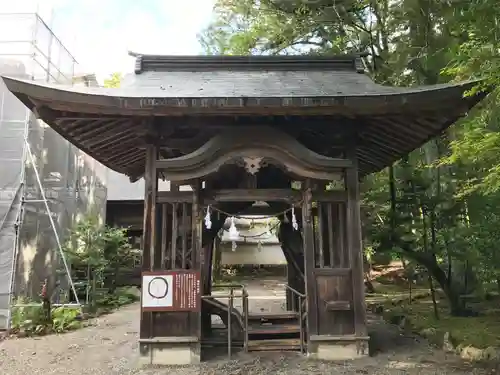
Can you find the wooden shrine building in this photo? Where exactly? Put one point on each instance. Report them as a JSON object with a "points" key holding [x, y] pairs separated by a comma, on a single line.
{"points": [[297, 132]]}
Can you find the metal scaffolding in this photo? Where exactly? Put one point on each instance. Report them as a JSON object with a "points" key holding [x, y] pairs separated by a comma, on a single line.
{"points": [[45, 182]]}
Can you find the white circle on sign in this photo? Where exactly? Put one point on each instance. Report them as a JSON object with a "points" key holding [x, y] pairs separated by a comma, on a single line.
{"points": [[158, 288]]}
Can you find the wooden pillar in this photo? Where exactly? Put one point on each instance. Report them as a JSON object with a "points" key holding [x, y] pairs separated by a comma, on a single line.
{"points": [[149, 237], [169, 331], [356, 250], [309, 262], [336, 305]]}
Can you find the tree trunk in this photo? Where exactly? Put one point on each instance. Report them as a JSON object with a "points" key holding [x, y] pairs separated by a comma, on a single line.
{"points": [[430, 263], [369, 286], [433, 295]]}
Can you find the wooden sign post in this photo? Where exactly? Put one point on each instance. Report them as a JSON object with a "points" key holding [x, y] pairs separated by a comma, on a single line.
{"points": [[172, 291]]}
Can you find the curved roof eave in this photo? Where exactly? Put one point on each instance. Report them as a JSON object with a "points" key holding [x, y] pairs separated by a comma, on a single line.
{"points": [[107, 123], [146, 101]]}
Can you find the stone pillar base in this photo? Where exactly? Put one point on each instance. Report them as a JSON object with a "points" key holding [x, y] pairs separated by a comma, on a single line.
{"points": [[339, 348], [168, 352]]}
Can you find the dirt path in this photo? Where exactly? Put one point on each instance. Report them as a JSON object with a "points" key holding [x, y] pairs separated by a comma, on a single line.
{"points": [[109, 347]]}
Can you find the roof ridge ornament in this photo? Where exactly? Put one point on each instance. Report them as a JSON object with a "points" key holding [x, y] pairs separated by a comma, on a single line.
{"points": [[138, 68], [138, 65], [172, 63]]}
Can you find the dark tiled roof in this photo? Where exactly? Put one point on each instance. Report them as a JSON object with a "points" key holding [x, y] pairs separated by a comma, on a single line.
{"points": [[397, 120], [253, 83]]}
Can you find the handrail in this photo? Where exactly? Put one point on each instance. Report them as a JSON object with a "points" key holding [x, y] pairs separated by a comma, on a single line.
{"points": [[295, 291], [245, 319], [302, 310], [302, 313], [229, 332], [231, 286], [230, 296]]}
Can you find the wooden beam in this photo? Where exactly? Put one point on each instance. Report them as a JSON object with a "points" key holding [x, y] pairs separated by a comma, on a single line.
{"points": [[336, 338], [253, 195], [250, 195], [163, 198], [332, 196], [175, 197], [232, 195]]}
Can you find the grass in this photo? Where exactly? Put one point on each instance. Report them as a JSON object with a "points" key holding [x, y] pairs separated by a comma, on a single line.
{"points": [[481, 331]]}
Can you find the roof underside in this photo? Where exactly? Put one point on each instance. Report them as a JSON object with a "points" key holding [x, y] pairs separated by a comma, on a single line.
{"points": [[193, 95]]}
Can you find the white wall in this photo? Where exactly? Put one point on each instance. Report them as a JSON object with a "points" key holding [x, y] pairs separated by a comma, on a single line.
{"points": [[250, 254], [247, 250]]}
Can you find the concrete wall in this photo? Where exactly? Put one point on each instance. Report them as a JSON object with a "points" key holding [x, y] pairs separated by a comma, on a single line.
{"points": [[121, 189]]}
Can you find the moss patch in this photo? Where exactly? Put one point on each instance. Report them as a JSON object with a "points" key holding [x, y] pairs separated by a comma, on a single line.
{"points": [[481, 332]]}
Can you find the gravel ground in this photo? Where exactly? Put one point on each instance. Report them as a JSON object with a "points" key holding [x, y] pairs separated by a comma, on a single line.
{"points": [[109, 346]]}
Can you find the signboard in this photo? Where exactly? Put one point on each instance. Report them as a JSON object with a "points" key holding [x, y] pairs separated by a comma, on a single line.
{"points": [[171, 291]]}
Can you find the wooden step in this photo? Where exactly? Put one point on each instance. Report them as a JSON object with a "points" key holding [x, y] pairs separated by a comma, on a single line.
{"points": [[273, 345], [273, 329], [267, 316]]}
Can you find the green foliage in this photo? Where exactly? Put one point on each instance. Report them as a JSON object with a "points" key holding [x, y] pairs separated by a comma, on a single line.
{"points": [[65, 319], [29, 319], [122, 296], [99, 252], [113, 81]]}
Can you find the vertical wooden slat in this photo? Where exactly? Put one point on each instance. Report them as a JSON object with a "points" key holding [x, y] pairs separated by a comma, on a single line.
{"points": [[321, 245], [175, 234], [331, 239], [196, 256], [355, 245], [152, 193], [315, 231], [164, 233], [310, 280], [337, 249], [158, 253], [185, 233], [196, 227], [341, 236]]}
